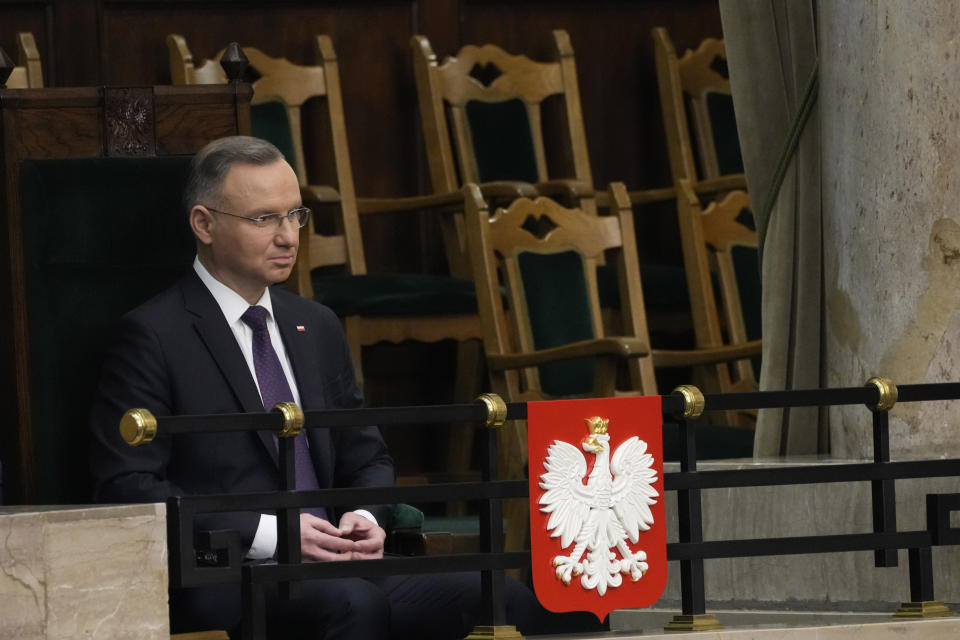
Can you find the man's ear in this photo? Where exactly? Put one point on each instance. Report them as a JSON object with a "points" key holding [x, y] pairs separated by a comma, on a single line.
{"points": [[201, 222]]}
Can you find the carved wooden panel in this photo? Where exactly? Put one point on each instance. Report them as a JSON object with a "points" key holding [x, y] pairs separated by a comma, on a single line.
{"points": [[128, 121]]}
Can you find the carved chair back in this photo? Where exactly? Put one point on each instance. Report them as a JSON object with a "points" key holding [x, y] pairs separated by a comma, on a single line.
{"points": [[695, 99], [482, 115], [723, 277]]}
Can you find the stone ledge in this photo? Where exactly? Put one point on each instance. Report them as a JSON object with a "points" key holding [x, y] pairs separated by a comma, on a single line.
{"points": [[84, 572]]}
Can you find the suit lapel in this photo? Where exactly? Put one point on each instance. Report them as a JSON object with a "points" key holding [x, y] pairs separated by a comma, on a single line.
{"points": [[298, 342], [220, 340]]}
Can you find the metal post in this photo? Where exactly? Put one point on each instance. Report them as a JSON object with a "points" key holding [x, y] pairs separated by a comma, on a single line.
{"points": [[883, 491], [922, 604], [690, 523], [493, 612], [253, 624]]}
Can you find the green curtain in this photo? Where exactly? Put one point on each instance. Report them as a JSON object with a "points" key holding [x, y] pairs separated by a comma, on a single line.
{"points": [[772, 54]]}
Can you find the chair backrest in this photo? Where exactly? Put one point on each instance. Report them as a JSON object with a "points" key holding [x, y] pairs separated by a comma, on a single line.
{"points": [[695, 93], [723, 276], [279, 92], [545, 257], [93, 226], [482, 120], [28, 74]]}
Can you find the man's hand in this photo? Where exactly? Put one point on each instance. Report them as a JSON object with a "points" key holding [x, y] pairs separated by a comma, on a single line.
{"points": [[367, 538], [320, 540]]}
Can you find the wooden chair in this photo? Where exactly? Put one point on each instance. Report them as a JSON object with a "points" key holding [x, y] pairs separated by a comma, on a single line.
{"points": [[703, 148], [723, 276], [482, 112], [719, 241], [92, 222], [28, 74], [545, 338], [374, 308]]}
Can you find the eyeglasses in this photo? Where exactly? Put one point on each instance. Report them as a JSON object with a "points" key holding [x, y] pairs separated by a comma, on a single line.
{"points": [[298, 216]]}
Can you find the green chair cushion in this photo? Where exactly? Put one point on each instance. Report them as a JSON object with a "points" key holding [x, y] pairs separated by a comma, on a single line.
{"points": [[395, 294], [407, 516], [726, 142], [101, 236], [269, 121], [555, 291], [502, 141]]}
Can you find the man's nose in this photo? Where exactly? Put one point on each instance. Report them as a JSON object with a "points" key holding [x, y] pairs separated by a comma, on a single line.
{"points": [[288, 233]]}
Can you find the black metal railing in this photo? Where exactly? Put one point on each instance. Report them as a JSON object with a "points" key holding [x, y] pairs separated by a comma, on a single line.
{"points": [[211, 557]]}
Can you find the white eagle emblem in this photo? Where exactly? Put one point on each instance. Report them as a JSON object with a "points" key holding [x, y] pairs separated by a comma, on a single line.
{"points": [[613, 505]]}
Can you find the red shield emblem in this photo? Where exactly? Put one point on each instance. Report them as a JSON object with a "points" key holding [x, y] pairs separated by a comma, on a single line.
{"points": [[597, 534]]}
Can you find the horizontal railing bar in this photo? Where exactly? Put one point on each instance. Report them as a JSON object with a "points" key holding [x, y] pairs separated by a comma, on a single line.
{"points": [[674, 481], [797, 545], [477, 412], [441, 492], [822, 397], [334, 418], [267, 573], [811, 474]]}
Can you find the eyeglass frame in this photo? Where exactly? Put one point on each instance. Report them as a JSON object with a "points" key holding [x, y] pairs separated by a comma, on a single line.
{"points": [[262, 222]]}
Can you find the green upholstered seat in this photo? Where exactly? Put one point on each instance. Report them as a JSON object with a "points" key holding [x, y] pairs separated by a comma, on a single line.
{"points": [[101, 236], [395, 294], [502, 142], [559, 313], [723, 126], [555, 291], [269, 121]]}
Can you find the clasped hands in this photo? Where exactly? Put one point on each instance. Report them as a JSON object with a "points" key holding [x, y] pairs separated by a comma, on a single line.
{"points": [[356, 538]]}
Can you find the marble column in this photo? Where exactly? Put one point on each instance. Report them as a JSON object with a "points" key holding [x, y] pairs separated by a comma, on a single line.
{"points": [[890, 116]]}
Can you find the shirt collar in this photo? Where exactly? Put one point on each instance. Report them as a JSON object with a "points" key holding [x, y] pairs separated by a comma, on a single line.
{"points": [[230, 302]]}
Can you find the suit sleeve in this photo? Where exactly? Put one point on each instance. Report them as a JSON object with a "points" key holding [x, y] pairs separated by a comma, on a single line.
{"points": [[135, 374]]}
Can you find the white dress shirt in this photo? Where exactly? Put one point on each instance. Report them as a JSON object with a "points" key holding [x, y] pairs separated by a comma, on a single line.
{"points": [[233, 306]]}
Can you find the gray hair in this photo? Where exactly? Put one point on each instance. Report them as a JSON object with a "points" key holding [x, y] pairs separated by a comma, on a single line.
{"points": [[210, 166]]}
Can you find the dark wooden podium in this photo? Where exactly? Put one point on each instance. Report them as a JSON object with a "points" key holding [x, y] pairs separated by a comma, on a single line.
{"points": [[90, 190]]}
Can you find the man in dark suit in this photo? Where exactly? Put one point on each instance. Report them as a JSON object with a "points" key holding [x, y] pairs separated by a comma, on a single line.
{"points": [[221, 340]]}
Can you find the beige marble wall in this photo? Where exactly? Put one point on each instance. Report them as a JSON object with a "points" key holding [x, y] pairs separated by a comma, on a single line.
{"points": [[94, 573], [890, 117]]}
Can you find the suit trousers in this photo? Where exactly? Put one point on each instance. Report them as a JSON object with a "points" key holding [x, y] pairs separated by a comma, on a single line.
{"points": [[431, 607]]}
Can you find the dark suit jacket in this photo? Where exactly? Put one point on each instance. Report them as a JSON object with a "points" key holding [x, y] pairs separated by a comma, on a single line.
{"points": [[176, 355]]}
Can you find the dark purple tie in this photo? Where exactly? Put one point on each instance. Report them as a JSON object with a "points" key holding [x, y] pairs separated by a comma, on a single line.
{"points": [[273, 389]]}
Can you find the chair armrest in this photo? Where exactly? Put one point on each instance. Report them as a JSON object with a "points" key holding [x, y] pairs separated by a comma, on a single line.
{"points": [[731, 182], [507, 190], [452, 199], [615, 347], [319, 194], [706, 355], [565, 187]]}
